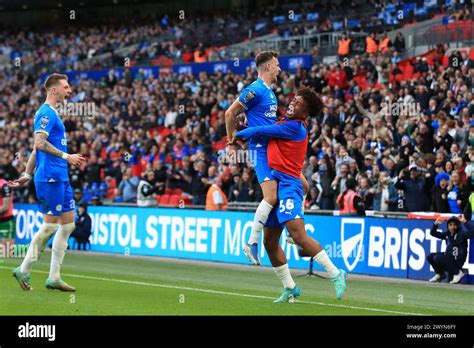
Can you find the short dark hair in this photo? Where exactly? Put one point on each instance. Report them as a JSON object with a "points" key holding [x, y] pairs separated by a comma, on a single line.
{"points": [[314, 104], [53, 79], [265, 56]]}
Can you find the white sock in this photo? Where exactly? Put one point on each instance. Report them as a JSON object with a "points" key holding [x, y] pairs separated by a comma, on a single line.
{"points": [[59, 249], [37, 246], [323, 259], [259, 220], [283, 273]]}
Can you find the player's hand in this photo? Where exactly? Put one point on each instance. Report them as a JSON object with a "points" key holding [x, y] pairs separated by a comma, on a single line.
{"points": [[76, 160], [462, 218], [20, 182], [231, 152], [439, 221]]}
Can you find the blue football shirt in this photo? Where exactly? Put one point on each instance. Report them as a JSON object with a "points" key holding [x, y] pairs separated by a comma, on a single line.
{"points": [[50, 168], [260, 104]]}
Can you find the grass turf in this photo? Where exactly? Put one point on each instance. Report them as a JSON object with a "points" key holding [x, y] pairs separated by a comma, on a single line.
{"points": [[112, 285]]}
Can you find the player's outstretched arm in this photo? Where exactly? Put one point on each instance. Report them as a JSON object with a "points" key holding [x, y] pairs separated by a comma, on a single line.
{"points": [[286, 130], [42, 144]]}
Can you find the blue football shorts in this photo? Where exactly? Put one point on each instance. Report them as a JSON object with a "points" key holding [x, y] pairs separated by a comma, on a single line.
{"points": [[54, 198]]}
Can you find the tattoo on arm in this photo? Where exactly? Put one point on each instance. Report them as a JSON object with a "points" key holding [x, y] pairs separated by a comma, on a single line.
{"points": [[42, 144]]}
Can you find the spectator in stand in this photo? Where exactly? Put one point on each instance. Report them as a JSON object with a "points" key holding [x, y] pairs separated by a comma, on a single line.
{"points": [[349, 202], [364, 192], [242, 190], [326, 175], [448, 167], [470, 171], [127, 190], [440, 193], [146, 191], [338, 185], [414, 189], [92, 171], [78, 199], [199, 183], [216, 198], [399, 43], [457, 194], [384, 194]]}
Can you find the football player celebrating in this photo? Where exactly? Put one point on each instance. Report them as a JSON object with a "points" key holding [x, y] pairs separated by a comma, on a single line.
{"points": [[286, 153], [260, 106], [53, 190]]}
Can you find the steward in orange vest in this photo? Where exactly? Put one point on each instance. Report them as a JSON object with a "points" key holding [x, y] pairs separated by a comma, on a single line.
{"points": [[384, 46], [371, 44], [216, 198], [344, 46], [349, 202]]}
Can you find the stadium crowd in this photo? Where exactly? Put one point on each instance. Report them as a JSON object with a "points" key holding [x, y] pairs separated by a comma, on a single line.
{"points": [[408, 143], [183, 37]]}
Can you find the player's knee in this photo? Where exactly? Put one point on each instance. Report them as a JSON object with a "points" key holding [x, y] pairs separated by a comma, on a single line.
{"points": [[68, 228], [299, 239], [50, 228], [271, 198], [270, 244]]}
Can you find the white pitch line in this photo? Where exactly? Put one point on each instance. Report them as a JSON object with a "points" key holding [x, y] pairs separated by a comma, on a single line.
{"points": [[217, 292]]}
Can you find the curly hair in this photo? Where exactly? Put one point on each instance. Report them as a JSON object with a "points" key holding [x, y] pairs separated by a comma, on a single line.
{"points": [[314, 104]]}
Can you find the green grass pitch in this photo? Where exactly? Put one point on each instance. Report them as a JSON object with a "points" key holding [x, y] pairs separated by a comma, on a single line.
{"points": [[122, 285]]}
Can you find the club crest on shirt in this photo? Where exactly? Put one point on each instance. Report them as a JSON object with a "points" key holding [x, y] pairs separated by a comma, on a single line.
{"points": [[44, 121], [250, 95]]}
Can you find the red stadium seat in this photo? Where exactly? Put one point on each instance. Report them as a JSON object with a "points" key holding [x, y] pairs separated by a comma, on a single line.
{"points": [[168, 191], [174, 200], [158, 199], [164, 199], [177, 191]]}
